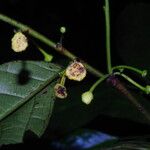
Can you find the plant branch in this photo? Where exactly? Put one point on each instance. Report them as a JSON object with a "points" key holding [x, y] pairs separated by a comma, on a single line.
{"points": [[131, 81], [128, 94], [141, 72], [107, 23], [48, 42], [98, 82]]}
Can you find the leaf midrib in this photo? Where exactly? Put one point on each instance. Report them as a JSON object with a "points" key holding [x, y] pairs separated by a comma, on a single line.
{"points": [[25, 100]]}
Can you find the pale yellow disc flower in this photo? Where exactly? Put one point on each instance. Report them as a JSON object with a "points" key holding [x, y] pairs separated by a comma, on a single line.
{"points": [[19, 42], [76, 71], [60, 91]]}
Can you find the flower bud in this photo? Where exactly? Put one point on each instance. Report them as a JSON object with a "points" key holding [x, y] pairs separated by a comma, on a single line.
{"points": [[76, 71], [60, 91], [87, 97], [62, 30], [19, 42], [144, 73], [147, 89]]}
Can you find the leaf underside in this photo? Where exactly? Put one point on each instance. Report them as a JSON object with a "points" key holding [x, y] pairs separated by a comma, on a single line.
{"points": [[25, 106]]}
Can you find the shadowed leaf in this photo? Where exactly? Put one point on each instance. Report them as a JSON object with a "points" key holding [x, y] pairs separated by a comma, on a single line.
{"points": [[28, 106]]}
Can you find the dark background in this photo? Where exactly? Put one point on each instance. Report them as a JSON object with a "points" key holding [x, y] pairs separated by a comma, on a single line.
{"points": [[85, 37], [84, 21]]}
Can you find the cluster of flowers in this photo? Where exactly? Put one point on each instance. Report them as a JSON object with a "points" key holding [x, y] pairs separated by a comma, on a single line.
{"points": [[75, 71]]}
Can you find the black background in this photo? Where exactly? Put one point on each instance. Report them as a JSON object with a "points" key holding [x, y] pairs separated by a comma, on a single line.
{"points": [[85, 37]]}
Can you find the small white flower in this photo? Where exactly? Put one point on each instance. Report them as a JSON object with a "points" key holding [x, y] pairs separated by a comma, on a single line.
{"points": [[19, 42], [87, 97], [60, 91], [76, 71]]}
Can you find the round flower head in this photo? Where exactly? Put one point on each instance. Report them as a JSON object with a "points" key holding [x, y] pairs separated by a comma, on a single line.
{"points": [[60, 91], [62, 30], [76, 71], [87, 97], [19, 42]]}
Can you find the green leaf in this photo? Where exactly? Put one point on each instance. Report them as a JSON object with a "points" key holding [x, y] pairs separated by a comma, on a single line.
{"points": [[26, 106], [124, 145], [72, 113], [85, 139]]}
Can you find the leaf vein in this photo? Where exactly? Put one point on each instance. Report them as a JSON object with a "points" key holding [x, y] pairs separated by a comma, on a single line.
{"points": [[11, 94]]}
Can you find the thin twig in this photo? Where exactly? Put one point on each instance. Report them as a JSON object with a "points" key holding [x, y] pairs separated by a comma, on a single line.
{"points": [[107, 23], [48, 42]]}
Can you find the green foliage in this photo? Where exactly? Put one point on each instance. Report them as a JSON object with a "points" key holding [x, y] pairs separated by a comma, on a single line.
{"points": [[124, 145], [25, 106], [72, 113], [27, 96], [93, 140]]}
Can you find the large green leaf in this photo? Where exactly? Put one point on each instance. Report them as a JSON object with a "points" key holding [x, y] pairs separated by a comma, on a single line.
{"points": [[25, 106], [72, 113], [128, 144]]}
